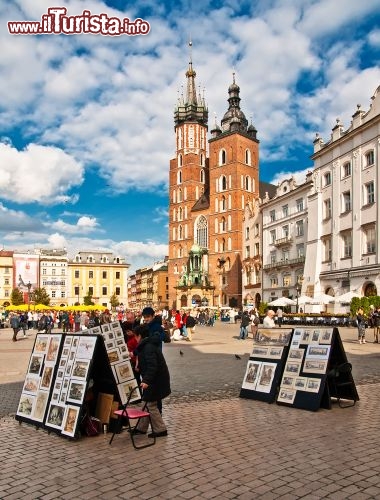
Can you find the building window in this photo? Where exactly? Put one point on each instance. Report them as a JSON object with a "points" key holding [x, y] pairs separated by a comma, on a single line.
{"points": [[369, 158], [346, 202], [300, 249], [273, 236], [222, 157], [285, 255], [247, 157], [346, 169], [179, 177], [273, 257], [370, 193], [117, 275], [257, 229], [299, 228], [76, 274], [91, 290], [91, 275], [6, 281], [370, 240], [44, 272], [247, 233], [117, 290], [285, 231], [247, 183], [274, 282], [76, 291], [104, 275], [201, 232], [347, 245], [223, 183], [247, 252], [203, 178], [223, 204], [327, 179], [53, 294], [257, 249], [285, 211], [299, 204], [272, 215], [327, 208], [286, 280], [327, 249], [63, 295], [104, 290], [179, 195], [223, 225]]}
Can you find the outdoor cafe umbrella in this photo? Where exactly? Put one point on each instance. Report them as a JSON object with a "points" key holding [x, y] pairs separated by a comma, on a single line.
{"points": [[321, 298], [282, 302], [346, 297]]}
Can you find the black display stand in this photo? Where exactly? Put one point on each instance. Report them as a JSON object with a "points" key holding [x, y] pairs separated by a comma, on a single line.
{"points": [[266, 364], [312, 354], [66, 372]]}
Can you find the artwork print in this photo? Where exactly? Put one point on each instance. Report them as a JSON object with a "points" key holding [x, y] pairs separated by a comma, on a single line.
{"points": [[35, 365], [265, 380], [70, 420], [40, 405], [25, 405], [251, 375], [55, 415]]}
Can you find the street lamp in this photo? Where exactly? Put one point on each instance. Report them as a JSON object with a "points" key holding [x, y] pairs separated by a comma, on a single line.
{"points": [[29, 286], [298, 289]]}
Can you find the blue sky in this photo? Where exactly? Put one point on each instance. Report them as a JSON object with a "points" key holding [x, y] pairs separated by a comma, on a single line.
{"points": [[86, 121]]}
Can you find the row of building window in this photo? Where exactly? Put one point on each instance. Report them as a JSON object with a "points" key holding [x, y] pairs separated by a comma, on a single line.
{"points": [[91, 274], [346, 171], [368, 244], [346, 202], [285, 211], [285, 233]]}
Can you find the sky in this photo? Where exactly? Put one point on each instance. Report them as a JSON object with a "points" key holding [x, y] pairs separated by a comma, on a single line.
{"points": [[86, 120]]}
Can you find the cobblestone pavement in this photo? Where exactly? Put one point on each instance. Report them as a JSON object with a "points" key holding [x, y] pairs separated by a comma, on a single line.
{"points": [[219, 446]]}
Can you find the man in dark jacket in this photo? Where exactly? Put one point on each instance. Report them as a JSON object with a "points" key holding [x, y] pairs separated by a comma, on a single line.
{"points": [[155, 380]]}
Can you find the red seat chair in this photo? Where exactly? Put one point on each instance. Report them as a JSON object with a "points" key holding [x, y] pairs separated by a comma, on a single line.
{"points": [[127, 413]]}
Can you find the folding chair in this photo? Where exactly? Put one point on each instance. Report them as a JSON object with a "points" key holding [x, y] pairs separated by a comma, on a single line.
{"points": [[342, 384], [128, 413]]}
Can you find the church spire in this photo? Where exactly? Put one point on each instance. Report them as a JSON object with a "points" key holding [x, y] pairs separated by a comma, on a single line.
{"points": [[191, 109]]}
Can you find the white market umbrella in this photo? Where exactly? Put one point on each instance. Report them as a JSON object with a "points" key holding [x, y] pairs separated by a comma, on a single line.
{"points": [[346, 297], [304, 299], [282, 302], [321, 298]]}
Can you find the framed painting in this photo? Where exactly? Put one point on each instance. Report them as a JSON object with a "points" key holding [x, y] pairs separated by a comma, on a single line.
{"points": [[31, 383], [80, 368], [286, 395], [251, 375], [53, 347], [35, 364], [46, 377], [70, 420], [55, 415], [315, 366], [25, 405], [40, 405], [76, 391], [318, 351], [266, 375], [41, 343], [123, 371], [124, 390], [86, 347]]}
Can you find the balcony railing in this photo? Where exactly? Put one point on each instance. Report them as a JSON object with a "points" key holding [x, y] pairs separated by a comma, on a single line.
{"points": [[283, 241], [284, 263]]}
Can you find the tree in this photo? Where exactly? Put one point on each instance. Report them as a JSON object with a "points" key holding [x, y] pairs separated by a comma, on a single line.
{"points": [[17, 297], [40, 296], [87, 299], [114, 301]]}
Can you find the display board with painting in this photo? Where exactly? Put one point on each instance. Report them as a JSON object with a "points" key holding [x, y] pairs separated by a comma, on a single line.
{"points": [[312, 354], [67, 371], [265, 365]]}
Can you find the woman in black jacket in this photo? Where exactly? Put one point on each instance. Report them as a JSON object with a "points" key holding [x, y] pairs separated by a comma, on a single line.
{"points": [[155, 379]]}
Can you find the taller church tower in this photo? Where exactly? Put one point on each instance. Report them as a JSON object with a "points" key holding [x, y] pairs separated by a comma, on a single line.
{"points": [[207, 198]]}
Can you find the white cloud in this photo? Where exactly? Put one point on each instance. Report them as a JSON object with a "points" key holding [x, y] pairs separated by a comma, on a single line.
{"points": [[41, 174], [84, 225], [19, 221]]}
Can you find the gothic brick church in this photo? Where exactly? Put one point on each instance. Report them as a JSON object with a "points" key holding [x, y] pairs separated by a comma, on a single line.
{"points": [[209, 188]]}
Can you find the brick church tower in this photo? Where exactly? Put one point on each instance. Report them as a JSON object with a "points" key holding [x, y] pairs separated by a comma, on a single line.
{"points": [[207, 198]]}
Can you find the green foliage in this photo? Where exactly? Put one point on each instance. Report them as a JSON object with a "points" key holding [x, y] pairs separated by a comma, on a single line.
{"points": [[87, 299], [17, 297], [263, 308], [114, 301], [40, 296], [365, 303]]}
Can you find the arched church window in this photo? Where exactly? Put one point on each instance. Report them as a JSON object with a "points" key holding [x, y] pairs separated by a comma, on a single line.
{"points": [[202, 177], [222, 157], [247, 157], [179, 177], [201, 232]]}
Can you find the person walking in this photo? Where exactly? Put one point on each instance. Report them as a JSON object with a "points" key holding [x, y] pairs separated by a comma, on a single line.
{"points": [[255, 321], [155, 380], [360, 321], [245, 320], [376, 325], [15, 325]]}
